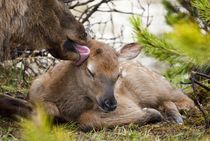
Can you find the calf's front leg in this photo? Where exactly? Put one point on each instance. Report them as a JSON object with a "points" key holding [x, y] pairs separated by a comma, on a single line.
{"points": [[96, 119]]}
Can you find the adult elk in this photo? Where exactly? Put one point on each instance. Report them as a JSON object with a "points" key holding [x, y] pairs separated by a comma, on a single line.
{"points": [[40, 24], [103, 91]]}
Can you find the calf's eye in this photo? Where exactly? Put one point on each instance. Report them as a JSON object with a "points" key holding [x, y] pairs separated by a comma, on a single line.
{"points": [[90, 73]]}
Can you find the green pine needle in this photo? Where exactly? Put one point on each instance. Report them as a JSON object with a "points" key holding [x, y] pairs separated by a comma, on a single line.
{"points": [[183, 48]]}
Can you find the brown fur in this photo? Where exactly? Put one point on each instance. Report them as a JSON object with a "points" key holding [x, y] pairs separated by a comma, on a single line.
{"points": [[72, 90], [139, 92], [82, 97], [38, 24], [148, 89]]}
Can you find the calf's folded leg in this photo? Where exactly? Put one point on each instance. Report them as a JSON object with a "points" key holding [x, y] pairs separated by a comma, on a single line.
{"points": [[96, 119]]}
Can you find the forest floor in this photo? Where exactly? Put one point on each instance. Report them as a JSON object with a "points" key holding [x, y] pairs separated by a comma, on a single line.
{"points": [[12, 82]]}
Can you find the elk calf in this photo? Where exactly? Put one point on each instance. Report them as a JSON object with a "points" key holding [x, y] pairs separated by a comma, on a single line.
{"points": [[76, 93], [140, 92], [70, 92], [104, 92], [148, 89]]}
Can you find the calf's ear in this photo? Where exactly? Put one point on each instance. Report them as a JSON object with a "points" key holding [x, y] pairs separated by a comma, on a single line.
{"points": [[129, 51]]}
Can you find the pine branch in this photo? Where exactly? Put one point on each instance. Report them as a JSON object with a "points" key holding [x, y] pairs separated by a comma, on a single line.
{"points": [[203, 10], [154, 46], [179, 48]]}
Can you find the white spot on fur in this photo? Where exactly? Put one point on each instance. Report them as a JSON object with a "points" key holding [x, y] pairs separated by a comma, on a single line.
{"points": [[23, 9], [91, 66], [124, 73]]}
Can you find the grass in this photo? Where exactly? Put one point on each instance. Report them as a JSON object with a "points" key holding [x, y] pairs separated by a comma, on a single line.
{"points": [[12, 81], [41, 129]]}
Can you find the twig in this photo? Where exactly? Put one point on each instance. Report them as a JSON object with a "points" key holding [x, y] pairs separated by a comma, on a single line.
{"points": [[203, 86], [199, 105], [119, 11], [94, 9], [79, 4], [198, 83], [148, 21], [201, 74]]}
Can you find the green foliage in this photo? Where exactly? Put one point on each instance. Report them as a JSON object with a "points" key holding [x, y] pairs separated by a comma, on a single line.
{"points": [[174, 14], [188, 39], [203, 9], [183, 48], [153, 46], [159, 48], [41, 129]]}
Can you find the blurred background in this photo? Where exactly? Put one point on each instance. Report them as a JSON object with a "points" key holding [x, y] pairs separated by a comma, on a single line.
{"points": [[110, 22]]}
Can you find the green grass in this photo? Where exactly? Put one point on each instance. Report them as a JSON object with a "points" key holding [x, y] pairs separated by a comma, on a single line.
{"points": [[41, 129], [13, 81]]}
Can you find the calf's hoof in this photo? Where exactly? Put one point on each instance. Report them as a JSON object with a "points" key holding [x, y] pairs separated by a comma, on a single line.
{"points": [[153, 116]]}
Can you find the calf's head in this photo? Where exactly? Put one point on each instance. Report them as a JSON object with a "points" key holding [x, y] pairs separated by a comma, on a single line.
{"points": [[101, 72]]}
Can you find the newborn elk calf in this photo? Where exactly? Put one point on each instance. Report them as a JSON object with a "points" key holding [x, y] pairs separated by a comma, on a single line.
{"points": [[140, 93], [40, 24], [69, 92], [140, 87], [104, 91]]}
